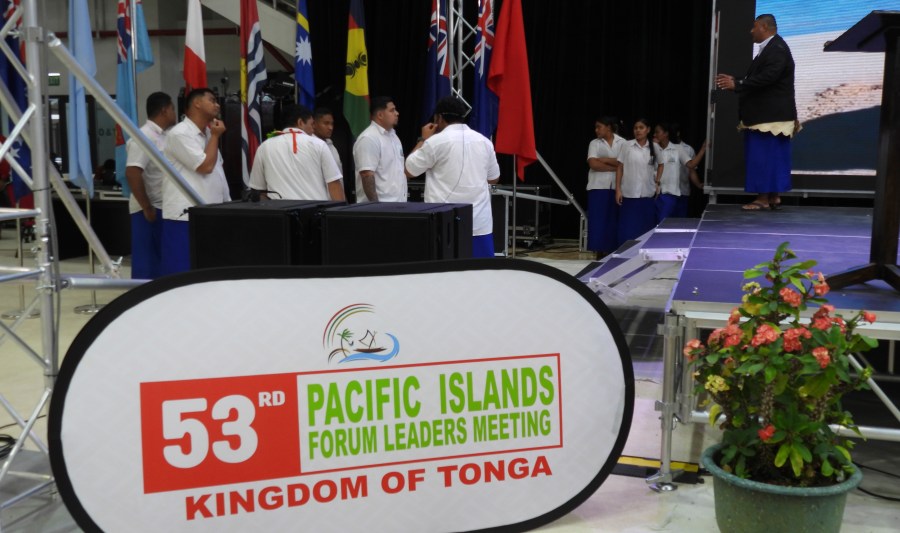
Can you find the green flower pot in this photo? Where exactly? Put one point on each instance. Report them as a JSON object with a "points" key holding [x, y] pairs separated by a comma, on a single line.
{"points": [[750, 506]]}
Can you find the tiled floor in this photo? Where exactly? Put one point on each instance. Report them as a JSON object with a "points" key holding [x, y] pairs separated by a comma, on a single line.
{"points": [[622, 504]]}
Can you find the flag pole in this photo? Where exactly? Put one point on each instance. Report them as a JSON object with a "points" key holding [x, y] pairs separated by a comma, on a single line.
{"points": [[515, 201], [132, 61]]}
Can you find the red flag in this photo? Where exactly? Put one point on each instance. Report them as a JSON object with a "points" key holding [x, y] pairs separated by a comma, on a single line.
{"points": [[194, 51], [509, 79]]}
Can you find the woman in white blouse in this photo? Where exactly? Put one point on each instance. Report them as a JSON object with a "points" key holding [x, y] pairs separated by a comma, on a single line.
{"points": [[637, 183]]}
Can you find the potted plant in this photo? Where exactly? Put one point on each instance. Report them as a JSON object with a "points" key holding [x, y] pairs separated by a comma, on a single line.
{"points": [[777, 383]]}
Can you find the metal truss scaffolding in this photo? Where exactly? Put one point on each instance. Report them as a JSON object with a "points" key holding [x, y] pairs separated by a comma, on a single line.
{"points": [[461, 36]]}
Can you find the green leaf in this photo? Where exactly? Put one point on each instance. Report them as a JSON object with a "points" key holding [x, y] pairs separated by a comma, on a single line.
{"points": [[782, 455], [798, 282], [771, 372], [714, 412], [827, 469], [796, 462], [804, 265], [818, 385], [781, 248], [752, 273], [804, 452], [843, 451]]}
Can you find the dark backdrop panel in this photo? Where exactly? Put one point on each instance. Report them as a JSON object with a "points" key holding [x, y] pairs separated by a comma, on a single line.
{"points": [[644, 58], [734, 52]]}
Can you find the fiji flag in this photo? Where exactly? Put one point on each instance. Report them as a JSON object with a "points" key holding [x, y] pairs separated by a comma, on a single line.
{"points": [[124, 78], [82, 47], [484, 101], [303, 71], [437, 62], [10, 77]]}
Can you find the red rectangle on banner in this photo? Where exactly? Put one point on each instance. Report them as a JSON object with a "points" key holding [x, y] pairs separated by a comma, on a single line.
{"points": [[208, 432]]}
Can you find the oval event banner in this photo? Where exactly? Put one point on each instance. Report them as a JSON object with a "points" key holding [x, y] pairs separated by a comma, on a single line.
{"points": [[451, 396]]}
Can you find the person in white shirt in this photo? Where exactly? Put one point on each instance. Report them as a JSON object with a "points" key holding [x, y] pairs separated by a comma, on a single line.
{"points": [[603, 213], [295, 165], [688, 173], [145, 180], [323, 128], [192, 146], [637, 183], [459, 166], [673, 158], [378, 156]]}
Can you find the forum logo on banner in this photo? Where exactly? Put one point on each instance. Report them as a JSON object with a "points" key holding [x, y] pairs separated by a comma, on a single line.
{"points": [[398, 389]]}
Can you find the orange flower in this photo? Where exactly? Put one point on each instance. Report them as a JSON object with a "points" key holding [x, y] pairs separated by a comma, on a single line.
{"points": [[791, 297], [766, 433], [822, 356], [735, 316], [792, 338], [868, 317], [820, 286], [765, 334], [693, 344]]}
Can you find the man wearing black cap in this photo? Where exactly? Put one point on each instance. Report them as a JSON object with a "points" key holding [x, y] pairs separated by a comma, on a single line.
{"points": [[459, 166]]}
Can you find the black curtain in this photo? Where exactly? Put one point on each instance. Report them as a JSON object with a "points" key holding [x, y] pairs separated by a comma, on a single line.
{"points": [[643, 58]]}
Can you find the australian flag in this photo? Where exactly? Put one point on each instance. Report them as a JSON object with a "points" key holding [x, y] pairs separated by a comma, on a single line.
{"points": [[437, 67], [10, 77], [484, 101]]}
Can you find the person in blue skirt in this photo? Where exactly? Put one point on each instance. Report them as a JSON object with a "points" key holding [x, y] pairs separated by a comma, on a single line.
{"points": [[603, 212], [637, 183], [768, 115]]}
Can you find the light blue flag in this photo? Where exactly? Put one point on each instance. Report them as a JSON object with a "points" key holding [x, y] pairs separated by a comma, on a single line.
{"points": [[124, 79], [303, 70], [81, 46]]}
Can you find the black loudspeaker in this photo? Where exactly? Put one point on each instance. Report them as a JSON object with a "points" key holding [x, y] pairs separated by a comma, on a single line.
{"points": [[395, 232], [269, 232]]}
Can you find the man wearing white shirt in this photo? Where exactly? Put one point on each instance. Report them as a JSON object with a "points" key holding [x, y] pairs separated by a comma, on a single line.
{"points": [[378, 156], [295, 165], [145, 180], [459, 166], [193, 148]]}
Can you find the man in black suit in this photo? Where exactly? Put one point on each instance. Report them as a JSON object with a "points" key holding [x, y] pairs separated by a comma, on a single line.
{"points": [[768, 115]]}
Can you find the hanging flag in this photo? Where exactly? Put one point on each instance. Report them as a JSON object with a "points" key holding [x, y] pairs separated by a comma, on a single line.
{"points": [[356, 79], [437, 59], [125, 83], [509, 79], [82, 48], [194, 51], [253, 78], [9, 76], [303, 71], [484, 101]]}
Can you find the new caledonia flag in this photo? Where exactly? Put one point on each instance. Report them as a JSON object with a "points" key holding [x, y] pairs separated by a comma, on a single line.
{"points": [[356, 76]]}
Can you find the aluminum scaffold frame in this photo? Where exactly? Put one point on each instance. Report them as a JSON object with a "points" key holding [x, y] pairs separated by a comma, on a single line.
{"points": [[460, 33], [29, 125]]}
